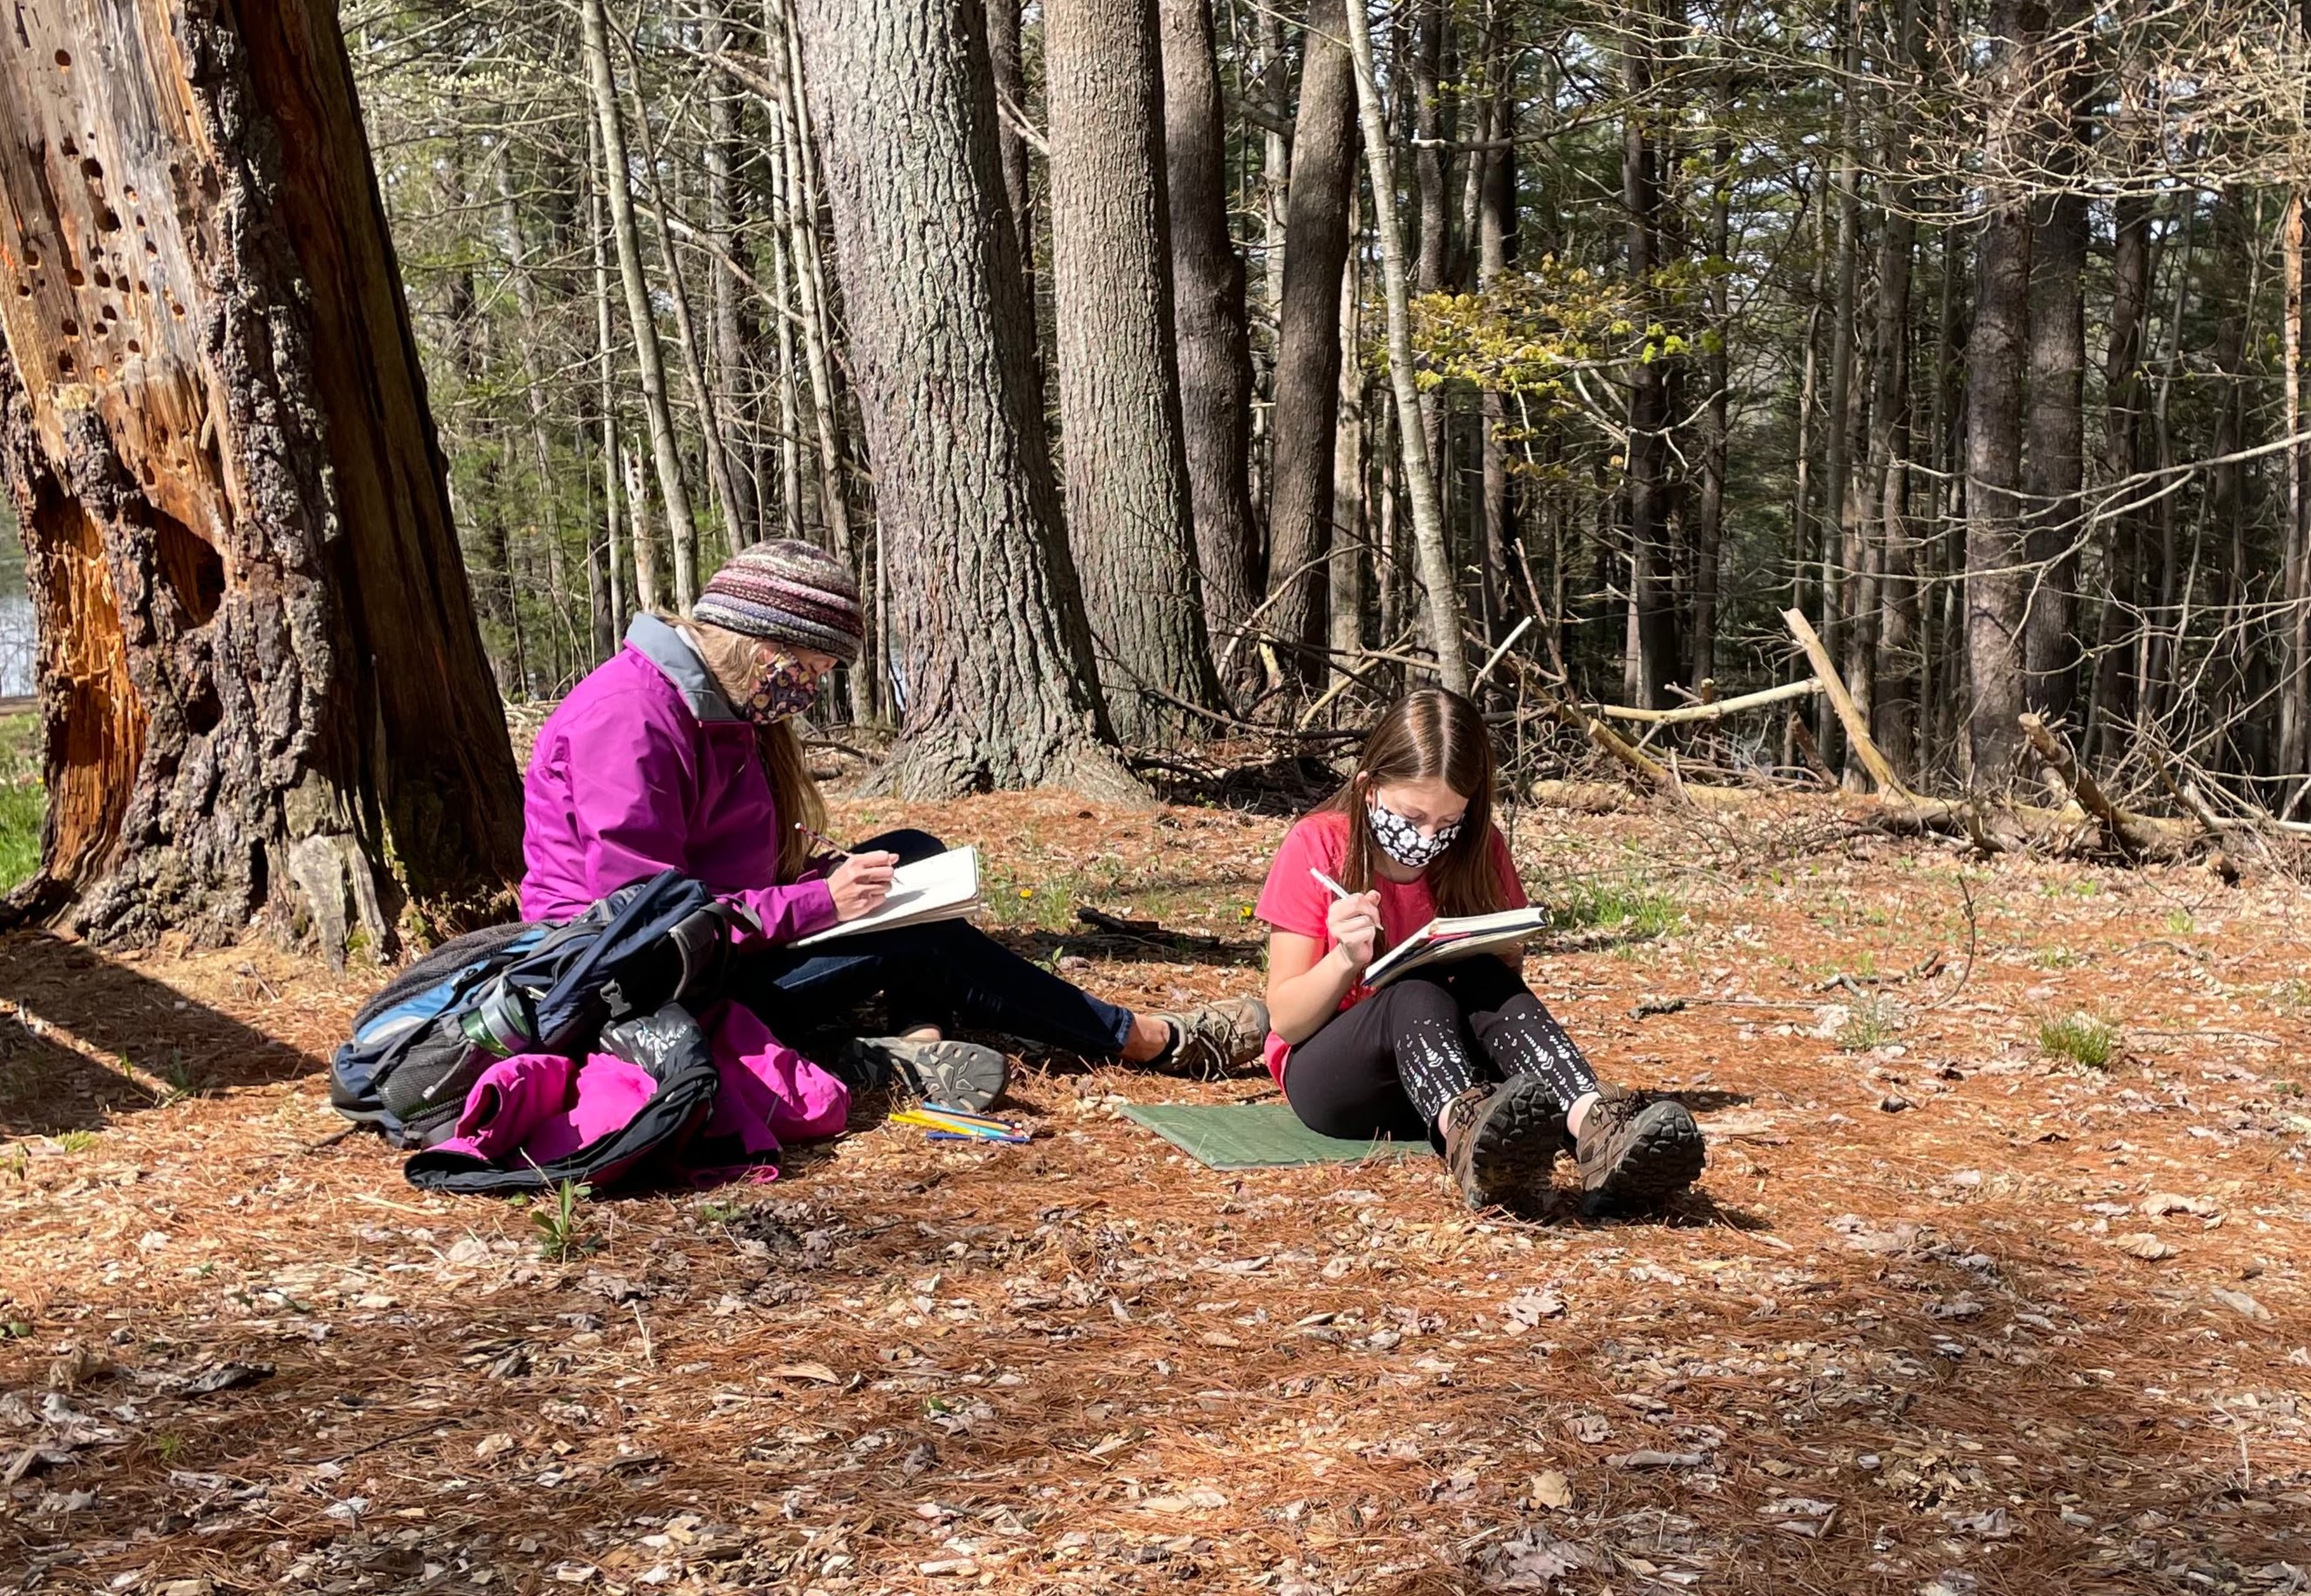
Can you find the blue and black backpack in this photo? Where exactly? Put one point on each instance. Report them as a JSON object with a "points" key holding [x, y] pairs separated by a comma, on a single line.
{"points": [[540, 987]]}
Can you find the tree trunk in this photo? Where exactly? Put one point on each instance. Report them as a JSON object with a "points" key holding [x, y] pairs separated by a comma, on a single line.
{"points": [[818, 332], [1129, 517], [1001, 689], [615, 558], [1894, 688], [1207, 285], [1843, 554], [650, 362], [1653, 596], [2294, 635], [2116, 634], [649, 585], [262, 686], [1011, 86], [1305, 409], [1996, 583], [1709, 521], [730, 338], [1497, 218], [1345, 566], [533, 379], [1446, 618]]}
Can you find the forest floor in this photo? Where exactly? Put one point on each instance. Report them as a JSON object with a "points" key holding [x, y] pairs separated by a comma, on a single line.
{"points": [[1957, 1308]]}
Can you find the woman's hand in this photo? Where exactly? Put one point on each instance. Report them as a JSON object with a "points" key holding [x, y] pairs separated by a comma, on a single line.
{"points": [[860, 883], [1353, 923]]}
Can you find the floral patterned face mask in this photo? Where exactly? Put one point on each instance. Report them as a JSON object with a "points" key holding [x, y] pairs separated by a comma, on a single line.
{"points": [[785, 686], [1401, 841]]}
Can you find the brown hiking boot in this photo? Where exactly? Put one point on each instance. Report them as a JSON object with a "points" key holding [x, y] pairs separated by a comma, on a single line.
{"points": [[1499, 1142], [1208, 1042], [1635, 1151]]}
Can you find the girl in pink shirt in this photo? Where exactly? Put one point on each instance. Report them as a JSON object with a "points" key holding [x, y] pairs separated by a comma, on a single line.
{"points": [[1461, 1051]]}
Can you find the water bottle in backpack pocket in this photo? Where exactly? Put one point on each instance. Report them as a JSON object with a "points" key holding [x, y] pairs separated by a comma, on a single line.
{"points": [[542, 986]]}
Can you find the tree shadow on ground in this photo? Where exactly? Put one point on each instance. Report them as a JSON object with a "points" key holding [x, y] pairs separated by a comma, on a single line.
{"points": [[177, 1046], [1285, 787]]}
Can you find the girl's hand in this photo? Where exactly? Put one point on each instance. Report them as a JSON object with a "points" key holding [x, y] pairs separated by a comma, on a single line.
{"points": [[860, 883], [1353, 923]]}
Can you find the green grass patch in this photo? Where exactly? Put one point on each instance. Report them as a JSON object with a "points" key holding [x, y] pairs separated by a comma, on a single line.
{"points": [[1870, 1023], [24, 803], [2081, 1038], [1626, 904]]}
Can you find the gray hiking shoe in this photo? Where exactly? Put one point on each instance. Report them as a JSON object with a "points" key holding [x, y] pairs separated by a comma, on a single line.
{"points": [[1211, 1040], [1501, 1141], [954, 1074]]}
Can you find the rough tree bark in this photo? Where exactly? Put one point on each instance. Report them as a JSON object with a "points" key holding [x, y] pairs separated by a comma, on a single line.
{"points": [[1001, 686], [263, 690], [1996, 584], [1129, 515], [1894, 687], [1305, 411], [1207, 287], [732, 338], [2118, 629]]}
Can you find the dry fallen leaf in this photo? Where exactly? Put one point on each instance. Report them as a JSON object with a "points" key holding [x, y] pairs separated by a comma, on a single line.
{"points": [[818, 1372], [2168, 1202], [1552, 1489], [1197, 1499], [2239, 1302], [2142, 1244]]}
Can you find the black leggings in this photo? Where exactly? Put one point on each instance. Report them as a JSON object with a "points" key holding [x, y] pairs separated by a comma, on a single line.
{"points": [[932, 974], [1390, 1065]]}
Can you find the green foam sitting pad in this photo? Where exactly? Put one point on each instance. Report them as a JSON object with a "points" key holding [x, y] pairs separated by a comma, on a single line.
{"points": [[1256, 1136]]}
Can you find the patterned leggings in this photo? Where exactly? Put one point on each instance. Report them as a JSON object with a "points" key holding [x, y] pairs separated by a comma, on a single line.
{"points": [[1390, 1065]]}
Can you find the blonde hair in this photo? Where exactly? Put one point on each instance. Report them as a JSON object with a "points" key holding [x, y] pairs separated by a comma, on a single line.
{"points": [[730, 658]]}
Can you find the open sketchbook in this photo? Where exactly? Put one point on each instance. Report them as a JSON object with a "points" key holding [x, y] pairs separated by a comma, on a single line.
{"points": [[943, 886], [1440, 941]]}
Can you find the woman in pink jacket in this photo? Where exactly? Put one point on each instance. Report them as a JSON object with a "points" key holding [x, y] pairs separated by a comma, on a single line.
{"points": [[680, 754]]}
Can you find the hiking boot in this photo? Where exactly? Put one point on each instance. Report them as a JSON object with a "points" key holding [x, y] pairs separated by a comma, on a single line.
{"points": [[946, 1073], [1499, 1142], [1635, 1151], [1209, 1041]]}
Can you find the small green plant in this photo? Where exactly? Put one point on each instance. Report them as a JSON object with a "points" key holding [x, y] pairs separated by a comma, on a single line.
{"points": [[1625, 905], [2179, 922], [560, 1219], [2085, 1041], [23, 802], [169, 1444], [1870, 1023], [76, 1141], [2057, 958]]}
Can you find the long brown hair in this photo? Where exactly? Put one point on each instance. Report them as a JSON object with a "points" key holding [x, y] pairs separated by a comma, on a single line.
{"points": [[1431, 735], [730, 658]]}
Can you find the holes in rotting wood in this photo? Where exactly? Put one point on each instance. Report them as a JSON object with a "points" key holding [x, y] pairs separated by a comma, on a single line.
{"points": [[67, 366], [134, 347], [69, 327], [195, 571], [109, 221], [92, 168], [75, 276], [63, 59]]}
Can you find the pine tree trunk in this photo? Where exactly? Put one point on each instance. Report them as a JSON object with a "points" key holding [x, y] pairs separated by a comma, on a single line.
{"points": [[533, 382], [1709, 521], [1011, 85], [1345, 565], [1996, 584], [1130, 521], [1304, 415], [1207, 283], [641, 321], [262, 688], [1894, 643], [1843, 554], [1000, 685]]}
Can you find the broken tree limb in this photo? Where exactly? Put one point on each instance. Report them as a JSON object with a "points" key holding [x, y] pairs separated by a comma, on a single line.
{"points": [[1849, 713], [1715, 709], [2138, 834]]}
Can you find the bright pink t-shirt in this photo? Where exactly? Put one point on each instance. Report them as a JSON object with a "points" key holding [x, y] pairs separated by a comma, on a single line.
{"points": [[1296, 902]]}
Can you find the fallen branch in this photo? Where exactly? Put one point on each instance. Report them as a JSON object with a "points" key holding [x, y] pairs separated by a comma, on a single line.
{"points": [[1849, 713], [1715, 709]]}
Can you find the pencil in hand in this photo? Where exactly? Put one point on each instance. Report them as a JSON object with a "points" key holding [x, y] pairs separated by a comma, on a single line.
{"points": [[823, 841]]}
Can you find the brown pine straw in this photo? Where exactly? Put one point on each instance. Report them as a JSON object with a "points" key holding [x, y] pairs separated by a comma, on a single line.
{"points": [[1132, 1372]]}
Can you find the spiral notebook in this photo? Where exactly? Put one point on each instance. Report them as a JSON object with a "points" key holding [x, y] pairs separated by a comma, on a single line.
{"points": [[943, 886]]}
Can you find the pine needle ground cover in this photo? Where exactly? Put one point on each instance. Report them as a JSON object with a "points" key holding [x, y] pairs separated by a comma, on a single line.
{"points": [[1951, 1312]]}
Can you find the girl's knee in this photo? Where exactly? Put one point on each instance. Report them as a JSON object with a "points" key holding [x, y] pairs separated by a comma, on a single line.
{"points": [[1414, 999], [908, 842]]}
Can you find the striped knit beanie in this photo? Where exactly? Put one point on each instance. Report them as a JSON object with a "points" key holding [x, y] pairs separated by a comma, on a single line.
{"points": [[786, 591]]}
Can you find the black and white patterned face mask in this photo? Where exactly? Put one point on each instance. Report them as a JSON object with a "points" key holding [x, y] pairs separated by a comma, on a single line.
{"points": [[1401, 841]]}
